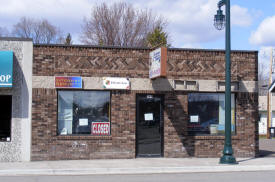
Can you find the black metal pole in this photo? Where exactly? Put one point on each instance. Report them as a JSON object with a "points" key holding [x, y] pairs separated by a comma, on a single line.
{"points": [[227, 157]]}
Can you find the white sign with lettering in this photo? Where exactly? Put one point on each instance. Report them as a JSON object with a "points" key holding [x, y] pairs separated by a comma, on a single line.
{"points": [[116, 83], [5, 80], [155, 64]]}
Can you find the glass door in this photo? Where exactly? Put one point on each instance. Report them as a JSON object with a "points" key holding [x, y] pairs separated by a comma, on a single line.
{"points": [[149, 125]]}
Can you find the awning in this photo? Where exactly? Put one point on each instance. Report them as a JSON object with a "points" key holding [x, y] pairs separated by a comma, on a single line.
{"points": [[6, 65]]}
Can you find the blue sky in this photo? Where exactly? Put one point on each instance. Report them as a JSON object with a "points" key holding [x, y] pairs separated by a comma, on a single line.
{"points": [[190, 21]]}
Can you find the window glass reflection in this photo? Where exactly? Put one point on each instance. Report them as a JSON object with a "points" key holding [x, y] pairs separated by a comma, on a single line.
{"points": [[78, 109], [207, 113]]}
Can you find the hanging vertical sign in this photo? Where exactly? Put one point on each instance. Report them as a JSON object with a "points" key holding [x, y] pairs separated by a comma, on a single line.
{"points": [[6, 67], [157, 63]]}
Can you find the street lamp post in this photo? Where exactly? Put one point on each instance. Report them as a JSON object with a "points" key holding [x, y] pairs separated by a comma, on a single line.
{"points": [[221, 21]]}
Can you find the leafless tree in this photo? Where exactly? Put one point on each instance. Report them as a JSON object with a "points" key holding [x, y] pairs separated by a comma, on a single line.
{"points": [[119, 24], [41, 31], [262, 79], [4, 32]]}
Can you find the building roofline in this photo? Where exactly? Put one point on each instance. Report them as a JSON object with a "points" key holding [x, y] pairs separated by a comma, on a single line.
{"points": [[15, 39], [137, 48]]}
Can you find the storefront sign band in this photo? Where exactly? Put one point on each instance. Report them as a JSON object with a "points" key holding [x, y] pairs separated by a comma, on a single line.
{"points": [[68, 82]]}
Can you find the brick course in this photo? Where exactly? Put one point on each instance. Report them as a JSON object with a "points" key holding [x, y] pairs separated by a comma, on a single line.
{"points": [[133, 63]]}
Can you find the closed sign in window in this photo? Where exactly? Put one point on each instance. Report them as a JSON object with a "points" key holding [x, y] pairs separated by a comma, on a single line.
{"points": [[100, 128]]}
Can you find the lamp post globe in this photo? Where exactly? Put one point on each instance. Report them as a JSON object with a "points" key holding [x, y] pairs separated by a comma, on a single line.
{"points": [[221, 21]]}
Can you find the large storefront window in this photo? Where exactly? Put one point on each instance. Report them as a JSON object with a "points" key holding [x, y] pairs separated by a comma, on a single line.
{"points": [[84, 112], [207, 113]]}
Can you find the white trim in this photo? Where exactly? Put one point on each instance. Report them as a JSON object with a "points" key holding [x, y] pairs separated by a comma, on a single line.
{"points": [[159, 84]]}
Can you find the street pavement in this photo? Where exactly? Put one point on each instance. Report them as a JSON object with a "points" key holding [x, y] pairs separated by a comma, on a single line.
{"points": [[142, 165]]}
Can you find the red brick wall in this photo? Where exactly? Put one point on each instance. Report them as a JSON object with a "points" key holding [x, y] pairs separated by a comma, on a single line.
{"points": [[99, 62], [187, 64]]}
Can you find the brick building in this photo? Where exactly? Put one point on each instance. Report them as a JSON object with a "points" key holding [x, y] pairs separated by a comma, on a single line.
{"points": [[180, 115]]}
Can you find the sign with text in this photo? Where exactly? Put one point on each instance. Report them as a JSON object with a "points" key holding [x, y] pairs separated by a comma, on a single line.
{"points": [[116, 83], [6, 68], [68, 82], [157, 63], [101, 128]]}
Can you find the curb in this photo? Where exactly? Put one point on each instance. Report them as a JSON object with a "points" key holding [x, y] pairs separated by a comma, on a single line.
{"points": [[139, 170]]}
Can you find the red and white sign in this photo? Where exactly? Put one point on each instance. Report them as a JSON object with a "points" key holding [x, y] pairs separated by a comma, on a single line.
{"points": [[100, 128]]}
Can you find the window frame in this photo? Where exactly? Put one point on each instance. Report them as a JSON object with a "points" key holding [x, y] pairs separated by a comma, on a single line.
{"points": [[84, 135], [233, 133]]}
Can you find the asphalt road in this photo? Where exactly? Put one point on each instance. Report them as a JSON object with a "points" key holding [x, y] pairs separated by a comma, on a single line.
{"points": [[267, 176]]}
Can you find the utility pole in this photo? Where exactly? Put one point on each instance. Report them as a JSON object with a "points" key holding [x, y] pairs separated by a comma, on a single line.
{"points": [[269, 108]]}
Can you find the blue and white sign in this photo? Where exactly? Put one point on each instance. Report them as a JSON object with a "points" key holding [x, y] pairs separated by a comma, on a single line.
{"points": [[157, 63], [6, 65], [155, 67]]}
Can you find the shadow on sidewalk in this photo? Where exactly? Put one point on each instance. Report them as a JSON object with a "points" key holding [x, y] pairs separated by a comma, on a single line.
{"points": [[244, 160], [262, 154], [267, 153]]}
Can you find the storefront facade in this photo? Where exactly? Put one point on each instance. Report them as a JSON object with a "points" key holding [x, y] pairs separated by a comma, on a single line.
{"points": [[15, 99], [99, 102]]}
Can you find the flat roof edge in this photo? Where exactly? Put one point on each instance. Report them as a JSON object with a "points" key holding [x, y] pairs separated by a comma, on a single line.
{"points": [[138, 48], [15, 39], [90, 46]]}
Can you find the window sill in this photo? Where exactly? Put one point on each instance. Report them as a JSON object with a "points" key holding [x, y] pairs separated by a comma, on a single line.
{"points": [[83, 137], [212, 137]]}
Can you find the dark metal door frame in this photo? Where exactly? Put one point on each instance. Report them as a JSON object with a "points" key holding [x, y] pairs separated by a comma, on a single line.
{"points": [[138, 99]]}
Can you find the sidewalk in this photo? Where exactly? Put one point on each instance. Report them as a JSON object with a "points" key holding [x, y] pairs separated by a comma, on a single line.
{"points": [[133, 166]]}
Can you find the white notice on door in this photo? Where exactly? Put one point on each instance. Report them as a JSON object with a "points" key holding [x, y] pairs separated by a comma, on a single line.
{"points": [[148, 116]]}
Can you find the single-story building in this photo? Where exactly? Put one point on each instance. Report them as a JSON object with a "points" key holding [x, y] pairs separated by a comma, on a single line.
{"points": [[15, 98], [99, 102]]}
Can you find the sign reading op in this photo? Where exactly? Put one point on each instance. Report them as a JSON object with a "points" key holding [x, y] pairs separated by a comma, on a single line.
{"points": [[116, 83], [68, 82], [6, 65], [157, 63]]}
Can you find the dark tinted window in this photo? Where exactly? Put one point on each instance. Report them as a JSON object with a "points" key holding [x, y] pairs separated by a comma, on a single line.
{"points": [[207, 113], [5, 117]]}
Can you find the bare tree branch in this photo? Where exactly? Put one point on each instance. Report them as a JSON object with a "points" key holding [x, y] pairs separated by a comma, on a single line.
{"points": [[41, 31], [4, 32], [119, 24], [262, 79]]}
